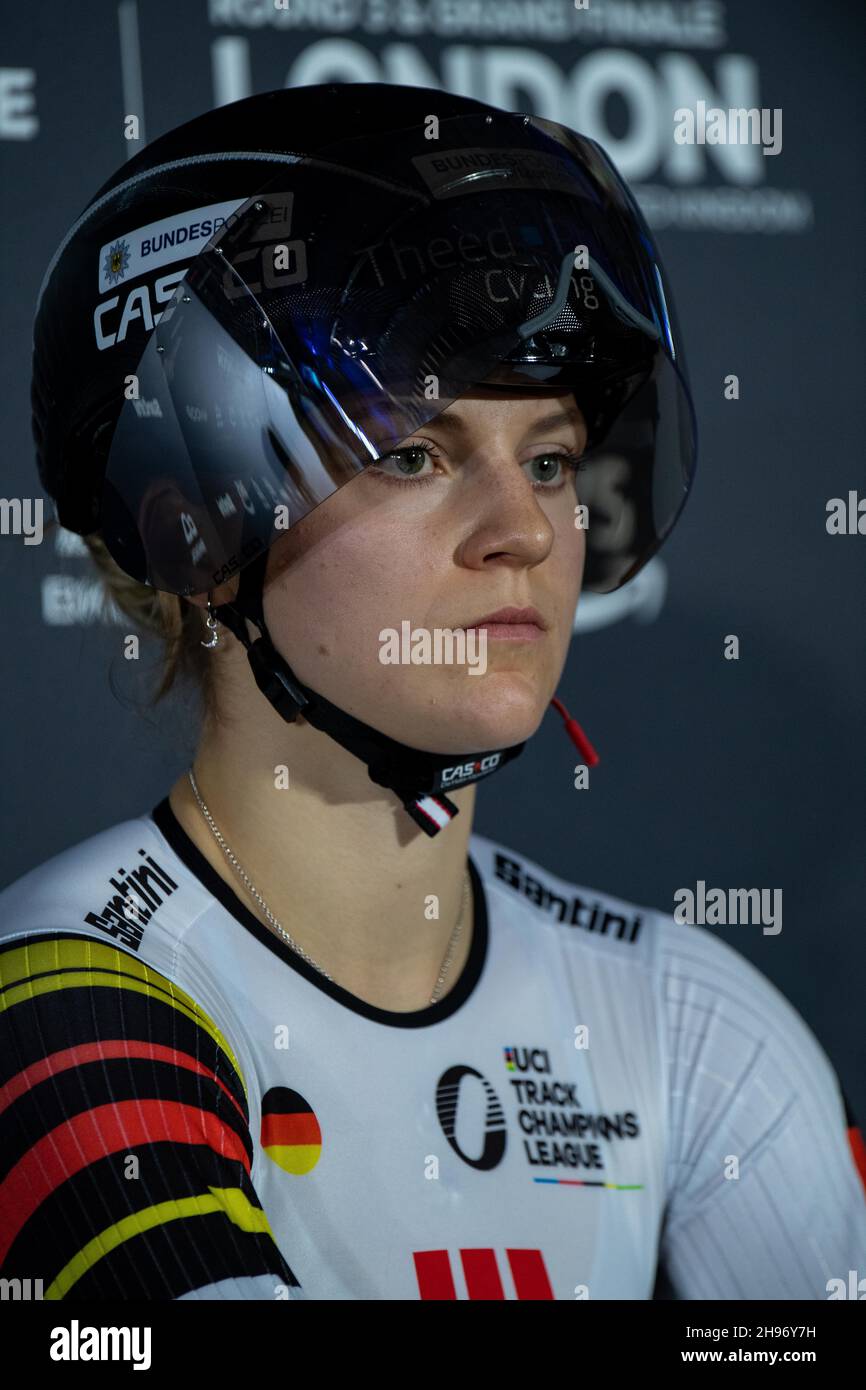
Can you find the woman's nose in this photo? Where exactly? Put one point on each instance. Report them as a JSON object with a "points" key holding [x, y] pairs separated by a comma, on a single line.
{"points": [[508, 521]]}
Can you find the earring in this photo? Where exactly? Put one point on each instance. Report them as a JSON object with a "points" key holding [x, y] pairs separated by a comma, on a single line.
{"points": [[213, 626]]}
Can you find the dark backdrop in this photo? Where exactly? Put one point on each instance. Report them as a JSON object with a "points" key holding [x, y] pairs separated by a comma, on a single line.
{"points": [[743, 773]]}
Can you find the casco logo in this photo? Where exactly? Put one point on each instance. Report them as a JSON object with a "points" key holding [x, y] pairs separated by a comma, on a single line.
{"points": [[137, 308], [279, 261], [280, 266], [464, 770]]}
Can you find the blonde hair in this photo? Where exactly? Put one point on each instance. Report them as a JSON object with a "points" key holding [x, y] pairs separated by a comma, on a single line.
{"points": [[178, 624]]}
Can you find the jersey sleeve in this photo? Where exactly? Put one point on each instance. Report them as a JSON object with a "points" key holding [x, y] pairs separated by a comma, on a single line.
{"points": [[125, 1147], [766, 1183]]}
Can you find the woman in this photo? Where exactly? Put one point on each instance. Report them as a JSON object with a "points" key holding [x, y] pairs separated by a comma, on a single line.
{"points": [[358, 439]]}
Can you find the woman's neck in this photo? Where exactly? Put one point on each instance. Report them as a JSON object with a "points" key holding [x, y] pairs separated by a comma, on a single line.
{"points": [[337, 860]]}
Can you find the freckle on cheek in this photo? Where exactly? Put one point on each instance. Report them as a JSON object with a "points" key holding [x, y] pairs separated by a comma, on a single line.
{"points": [[323, 651]]}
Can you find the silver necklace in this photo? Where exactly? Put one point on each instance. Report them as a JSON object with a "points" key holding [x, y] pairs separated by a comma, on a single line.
{"points": [[224, 846]]}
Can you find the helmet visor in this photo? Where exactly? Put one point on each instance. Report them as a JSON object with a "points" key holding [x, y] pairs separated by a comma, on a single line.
{"points": [[354, 298]]}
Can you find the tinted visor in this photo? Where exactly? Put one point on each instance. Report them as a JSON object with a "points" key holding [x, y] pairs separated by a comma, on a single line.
{"points": [[361, 293]]}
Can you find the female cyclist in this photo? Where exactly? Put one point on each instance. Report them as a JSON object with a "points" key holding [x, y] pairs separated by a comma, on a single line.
{"points": [[351, 389]]}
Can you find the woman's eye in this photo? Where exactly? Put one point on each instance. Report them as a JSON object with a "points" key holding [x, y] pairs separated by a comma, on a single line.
{"points": [[549, 469], [416, 462], [404, 463]]}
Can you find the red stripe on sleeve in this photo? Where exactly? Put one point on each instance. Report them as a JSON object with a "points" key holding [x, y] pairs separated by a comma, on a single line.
{"points": [[102, 1051], [104, 1130]]}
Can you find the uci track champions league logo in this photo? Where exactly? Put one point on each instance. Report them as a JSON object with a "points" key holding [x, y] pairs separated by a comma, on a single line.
{"points": [[562, 1141]]}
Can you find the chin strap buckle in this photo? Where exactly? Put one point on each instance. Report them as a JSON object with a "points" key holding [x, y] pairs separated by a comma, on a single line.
{"points": [[432, 812]]}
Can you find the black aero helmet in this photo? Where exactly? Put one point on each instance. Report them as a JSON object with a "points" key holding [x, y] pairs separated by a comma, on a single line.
{"points": [[275, 294], [271, 296]]}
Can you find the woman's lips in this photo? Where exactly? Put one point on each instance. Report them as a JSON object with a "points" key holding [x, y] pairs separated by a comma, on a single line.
{"points": [[510, 632], [511, 625]]}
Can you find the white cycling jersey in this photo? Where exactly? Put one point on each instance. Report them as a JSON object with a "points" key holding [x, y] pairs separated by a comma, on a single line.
{"points": [[603, 1098]]}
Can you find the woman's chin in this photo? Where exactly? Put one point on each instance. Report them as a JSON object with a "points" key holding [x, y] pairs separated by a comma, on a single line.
{"points": [[469, 721]]}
